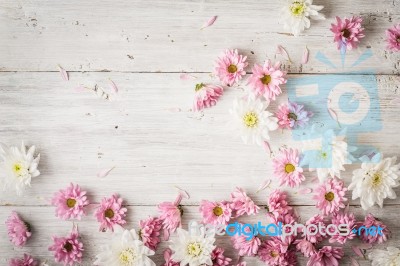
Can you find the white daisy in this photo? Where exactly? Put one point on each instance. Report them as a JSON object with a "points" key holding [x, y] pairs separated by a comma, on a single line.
{"points": [[193, 248], [124, 249], [375, 181], [297, 13], [389, 257], [18, 167], [252, 119]]}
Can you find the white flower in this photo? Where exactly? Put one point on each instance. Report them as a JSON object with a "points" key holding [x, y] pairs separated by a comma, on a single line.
{"points": [[193, 248], [389, 257], [296, 14], [18, 167], [125, 249], [374, 182], [252, 119]]}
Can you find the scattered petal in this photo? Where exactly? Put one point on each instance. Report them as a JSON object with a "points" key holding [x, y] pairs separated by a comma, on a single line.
{"points": [[186, 76], [267, 147], [63, 73], [183, 193], [113, 87], [174, 109], [357, 251], [105, 172], [304, 59], [80, 88], [209, 22], [282, 51], [305, 191], [354, 262], [264, 185], [333, 115]]}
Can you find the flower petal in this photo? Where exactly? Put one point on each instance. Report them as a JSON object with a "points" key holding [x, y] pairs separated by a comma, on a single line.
{"points": [[105, 172], [304, 59], [63, 73], [264, 185], [209, 22], [282, 51], [113, 87]]}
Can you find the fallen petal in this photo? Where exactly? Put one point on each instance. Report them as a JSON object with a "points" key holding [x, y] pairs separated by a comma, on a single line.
{"points": [[63, 73], [105, 172], [209, 22], [113, 87], [264, 185], [304, 59], [186, 76], [354, 262], [282, 51], [183, 193], [357, 251], [305, 191]]}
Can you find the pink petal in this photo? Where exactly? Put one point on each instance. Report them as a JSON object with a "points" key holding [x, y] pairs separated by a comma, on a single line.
{"points": [[63, 73], [186, 76], [357, 251], [282, 51], [305, 191], [113, 87], [354, 262], [80, 88], [105, 172], [209, 22], [183, 193], [264, 185], [267, 147], [365, 246], [304, 59], [333, 114]]}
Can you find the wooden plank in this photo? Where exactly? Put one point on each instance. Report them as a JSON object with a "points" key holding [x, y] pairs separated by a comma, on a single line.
{"points": [[159, 36]]}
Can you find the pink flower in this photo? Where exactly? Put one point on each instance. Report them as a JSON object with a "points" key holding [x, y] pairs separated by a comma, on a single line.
{"points": [[110, 213], [275, 252], [242, 204], [168, 259], [284, 218], [206, 96], [230, 67], [215, 212], [170, 215], [218, 258], [330, 196], [370, 221], [292, 115], [18, 230], [67, 250], [305, 247], [70, 202], [316, 220], [267, 79], [287, 169], [393, 38], [343, 218], [326, 256], [277, 203], [244, 245], [150, 231], [27, 260], [348, 32]]}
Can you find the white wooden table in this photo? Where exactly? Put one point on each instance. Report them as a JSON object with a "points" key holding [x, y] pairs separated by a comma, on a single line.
{"points": [[143, 46]]}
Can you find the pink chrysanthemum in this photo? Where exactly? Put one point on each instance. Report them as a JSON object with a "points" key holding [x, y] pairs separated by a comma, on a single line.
{"points": [[171, 216], [168, 259], [70, 202], [267, 79], [230, 67], [218, 258], [292, 115], [287, 169], [277, 204], [242, 204], [370, 221], [305, 247], [215, 212], [393, 38], [326, 256], [27, 260], [348, 32], [275, 252], [110, 213], [318, 237], [343, 218], [67, 250], [150, 231], [206, 96], [330, 196], [245, 246], [18, 230], [284, 218]]}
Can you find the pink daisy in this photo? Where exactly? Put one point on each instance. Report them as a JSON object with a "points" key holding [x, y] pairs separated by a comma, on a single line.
{"points": [[27, 260], [170, 215], [230, 67], [330, 196], [370, 221], [242, 204], [305, 247], [267, 79], [393, 38], [318, 237], [215, 212], [168, 259], [218, 258], [246, 247], [206, 96], [348, 32], [277, 204], [347, 219], [70, 202], [18, 230], [284, 218], [275, 252], [150, 231], [110, 213], [67, 250], [292, 115], [287, 169], [326, 256]]}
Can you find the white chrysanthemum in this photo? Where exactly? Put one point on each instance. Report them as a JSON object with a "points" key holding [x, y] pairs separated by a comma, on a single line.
{"points": [[297, 13], [125, 249], [389, 257], [18, 167], [193, 248], [252, 119], [375, 182]]}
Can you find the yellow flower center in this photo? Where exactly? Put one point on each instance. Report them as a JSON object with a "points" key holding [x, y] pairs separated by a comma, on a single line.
{"points": [[292, 116], [71, 203], [346, 33], [329, 196], [68, 247], [218, 211], [194, 249], [376, 179], [19, 169], [232, 69], [250, 119], [127, 257], [274, 254], [289, 168], [297, 8], [266, 79], [199, 86], [324, 155], [109, 213]]}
